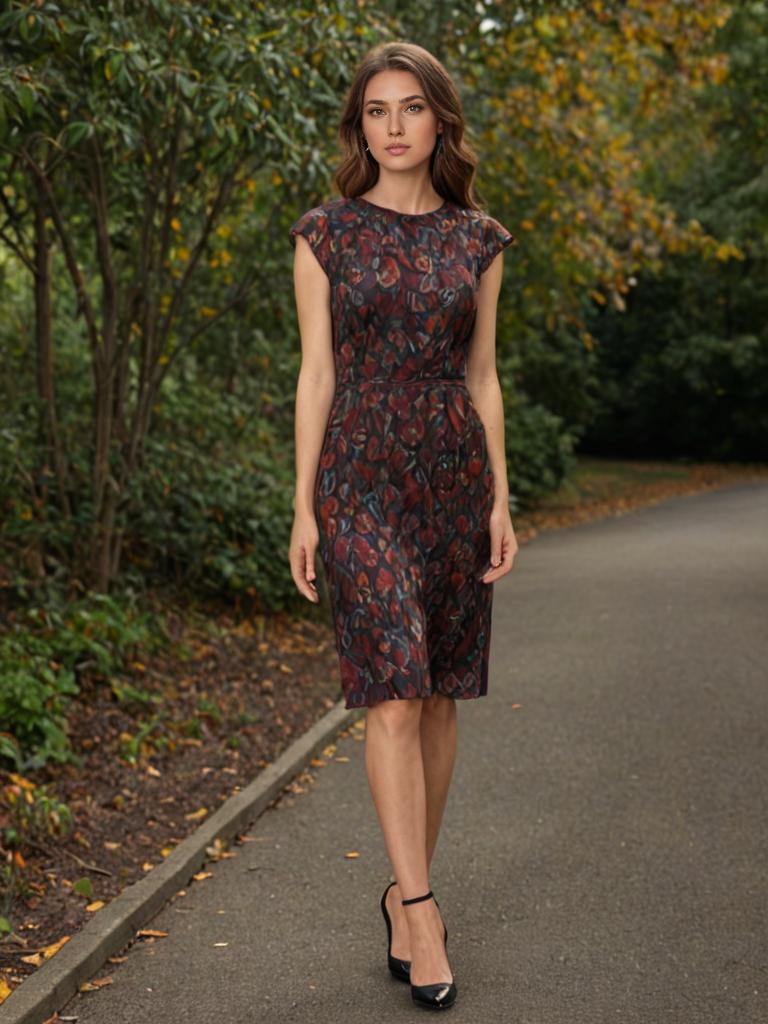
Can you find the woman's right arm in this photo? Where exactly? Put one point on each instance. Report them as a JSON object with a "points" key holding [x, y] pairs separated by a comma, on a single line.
{"points": [[314, 395]]}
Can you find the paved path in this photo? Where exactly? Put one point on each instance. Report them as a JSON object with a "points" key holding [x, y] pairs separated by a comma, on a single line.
{"points": [[603, 857]]}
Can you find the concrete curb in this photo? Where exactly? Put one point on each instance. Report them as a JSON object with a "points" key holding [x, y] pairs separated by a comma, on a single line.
{"points": [[112, 928]]}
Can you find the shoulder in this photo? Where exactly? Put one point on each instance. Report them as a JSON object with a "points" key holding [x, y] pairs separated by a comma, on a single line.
{"points": [[487, 235], [480, 220], [320, 226], [323, 217]]}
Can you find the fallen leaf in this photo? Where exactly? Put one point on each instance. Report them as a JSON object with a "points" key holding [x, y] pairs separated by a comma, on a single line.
{"points": [[352, 854], [54, 947], [152, 933], [96, 905], [201, 875], [200, 813], [95, 985]]}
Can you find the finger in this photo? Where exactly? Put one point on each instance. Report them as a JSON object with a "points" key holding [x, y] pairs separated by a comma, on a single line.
{"points": [[495, 572], [303, 575], [310, 574], [310, 564]]}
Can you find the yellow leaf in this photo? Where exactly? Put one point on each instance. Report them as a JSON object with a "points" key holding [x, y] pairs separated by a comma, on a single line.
{"points": [[95, 985], [202, 875], [49, 951], [352, 854], [96, 905], [21, 781], [195, 815], [176, 224]]}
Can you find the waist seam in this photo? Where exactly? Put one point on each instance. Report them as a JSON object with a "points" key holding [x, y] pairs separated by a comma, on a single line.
{"points": [[457, 381]]}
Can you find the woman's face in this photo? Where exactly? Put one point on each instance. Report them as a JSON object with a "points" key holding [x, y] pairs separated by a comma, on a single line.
{"points": [[395, 110]]}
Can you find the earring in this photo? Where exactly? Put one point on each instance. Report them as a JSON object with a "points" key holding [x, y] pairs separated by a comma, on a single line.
{"points": [[365, 147]]}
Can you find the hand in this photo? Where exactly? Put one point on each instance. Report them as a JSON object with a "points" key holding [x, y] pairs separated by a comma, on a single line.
{"points": [[305, 538], [503, 544]]}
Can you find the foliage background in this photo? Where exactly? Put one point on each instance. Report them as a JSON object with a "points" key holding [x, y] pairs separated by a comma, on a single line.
{"points": [[153, 157]]}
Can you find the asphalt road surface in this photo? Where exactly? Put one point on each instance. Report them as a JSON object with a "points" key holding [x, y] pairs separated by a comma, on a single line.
{"points": [[604, 851]]}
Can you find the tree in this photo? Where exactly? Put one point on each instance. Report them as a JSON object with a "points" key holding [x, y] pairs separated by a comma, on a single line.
{"points": [[129, 132]]}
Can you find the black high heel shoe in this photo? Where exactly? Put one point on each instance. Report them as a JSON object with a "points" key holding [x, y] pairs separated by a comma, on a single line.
{"points": [[441, 994], [401, 969]]}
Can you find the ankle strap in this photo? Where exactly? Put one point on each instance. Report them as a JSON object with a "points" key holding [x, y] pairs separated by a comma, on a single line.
{"points": [[417, 899]]}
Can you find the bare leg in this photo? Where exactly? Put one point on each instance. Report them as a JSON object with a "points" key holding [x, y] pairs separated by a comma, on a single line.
{"points": [[439, 735], [410, 753]]}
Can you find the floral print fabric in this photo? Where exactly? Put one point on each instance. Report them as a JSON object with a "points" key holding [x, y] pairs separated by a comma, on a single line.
{"points": [[404, 488]]}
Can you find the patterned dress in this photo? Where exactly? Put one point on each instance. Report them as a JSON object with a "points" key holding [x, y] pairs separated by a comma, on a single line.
{"points": [[404, 488]]}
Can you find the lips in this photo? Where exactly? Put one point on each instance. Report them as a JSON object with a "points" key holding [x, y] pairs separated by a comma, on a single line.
{"points": [[396, 149]]}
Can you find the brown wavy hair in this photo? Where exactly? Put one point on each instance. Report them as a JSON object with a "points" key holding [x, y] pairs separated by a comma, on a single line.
{"points": [[452, 166]]}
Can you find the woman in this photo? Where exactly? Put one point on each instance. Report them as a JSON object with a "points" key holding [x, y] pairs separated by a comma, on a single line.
{"points": [[400, 463]]}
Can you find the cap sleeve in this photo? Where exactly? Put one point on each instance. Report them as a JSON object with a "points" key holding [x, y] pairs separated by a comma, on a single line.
{"points": [[313, 225], [495, 237]]}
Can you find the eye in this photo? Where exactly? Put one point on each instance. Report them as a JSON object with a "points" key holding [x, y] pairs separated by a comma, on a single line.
{"points": [[411, 106]]}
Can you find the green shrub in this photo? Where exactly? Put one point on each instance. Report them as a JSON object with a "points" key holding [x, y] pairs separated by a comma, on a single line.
{"points": [[43, 658]]}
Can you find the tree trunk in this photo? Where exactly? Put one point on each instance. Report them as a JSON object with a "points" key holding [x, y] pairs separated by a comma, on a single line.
{"points": [[44, 360]]}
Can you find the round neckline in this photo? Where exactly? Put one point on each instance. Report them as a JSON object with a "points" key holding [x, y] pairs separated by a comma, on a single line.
{"points": [[399, 213]]}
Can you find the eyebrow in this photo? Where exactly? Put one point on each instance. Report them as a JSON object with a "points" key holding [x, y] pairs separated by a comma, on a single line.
{"points": [[404, 100]]}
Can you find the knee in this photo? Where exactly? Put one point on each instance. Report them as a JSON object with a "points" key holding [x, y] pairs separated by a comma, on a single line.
{"points": [[396, 716], [438, 705]]}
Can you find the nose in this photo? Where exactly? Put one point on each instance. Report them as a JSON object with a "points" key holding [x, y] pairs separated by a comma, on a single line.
{"points": [[394, 125]]}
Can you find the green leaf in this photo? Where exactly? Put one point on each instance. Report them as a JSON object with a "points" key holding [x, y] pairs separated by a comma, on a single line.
{"points": [[83, 887], [75, 132]]}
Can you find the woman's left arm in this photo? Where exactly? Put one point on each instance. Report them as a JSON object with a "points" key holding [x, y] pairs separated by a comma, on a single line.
{"points": [[485, 391]]}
